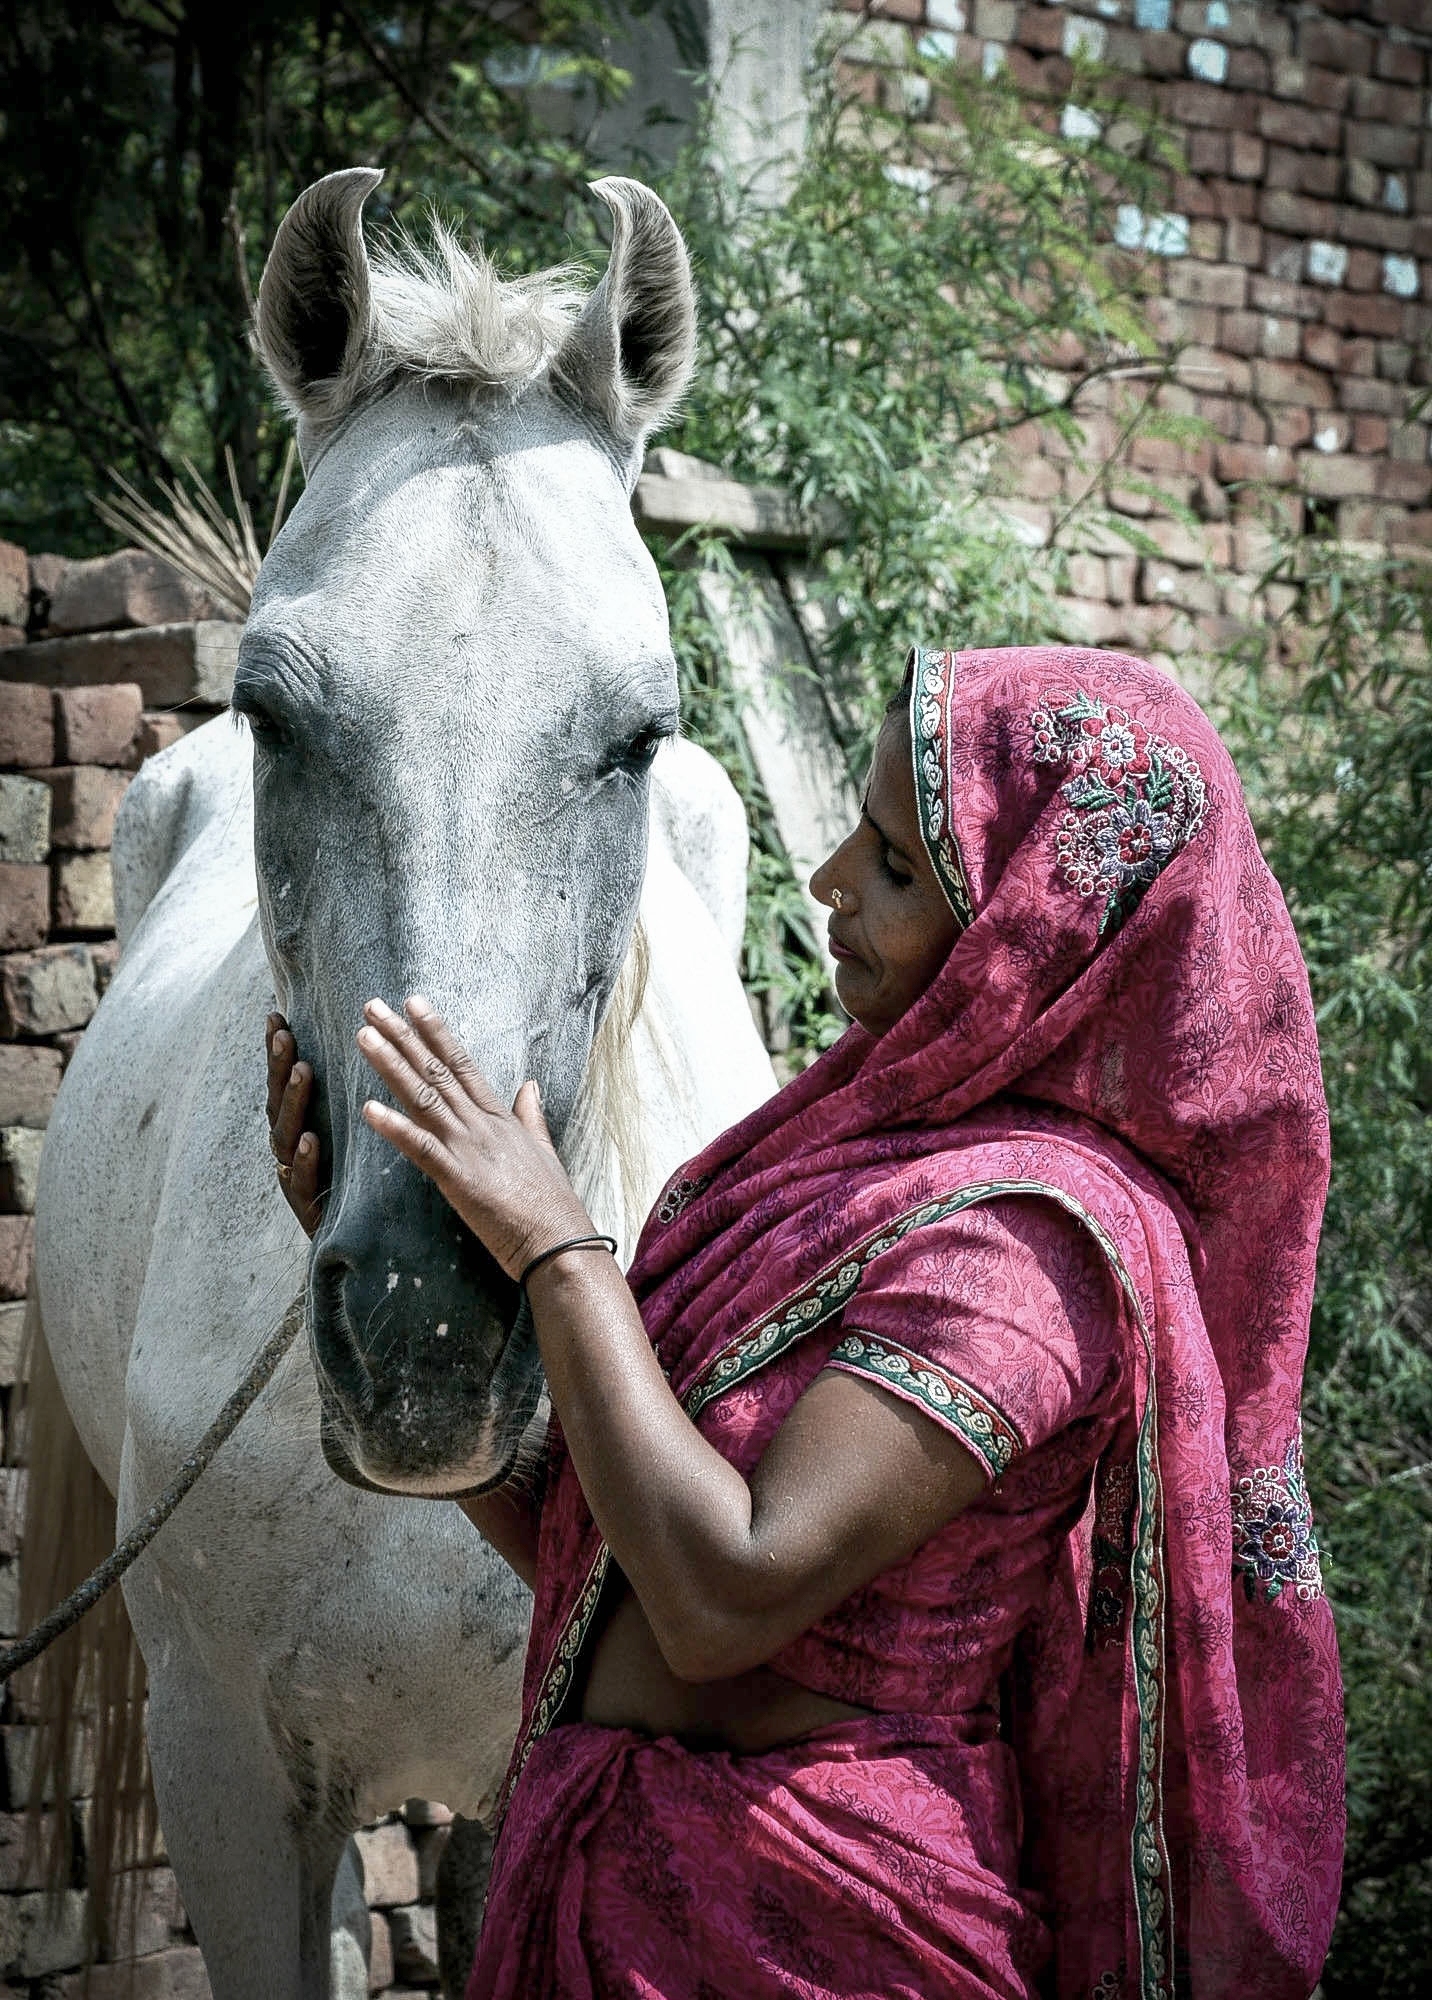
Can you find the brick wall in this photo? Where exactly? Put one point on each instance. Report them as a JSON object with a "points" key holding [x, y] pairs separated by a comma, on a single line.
{"points": [[101, 663], [1295, 258]]}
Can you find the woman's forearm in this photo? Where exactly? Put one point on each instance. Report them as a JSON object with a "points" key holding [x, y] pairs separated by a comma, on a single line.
{"points": [[510, 1525], [677, 1518]]}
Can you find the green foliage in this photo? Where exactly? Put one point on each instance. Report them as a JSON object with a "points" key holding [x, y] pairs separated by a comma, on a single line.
{"points": [[149, 151], [917, 296], [1329, 713]]}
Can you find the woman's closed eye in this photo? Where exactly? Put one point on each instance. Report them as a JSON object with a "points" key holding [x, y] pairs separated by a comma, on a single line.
{"points": [[895, 868]]}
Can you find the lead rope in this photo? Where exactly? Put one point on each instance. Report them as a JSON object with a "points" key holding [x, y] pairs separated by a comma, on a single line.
{"points": [[88, 1594]]}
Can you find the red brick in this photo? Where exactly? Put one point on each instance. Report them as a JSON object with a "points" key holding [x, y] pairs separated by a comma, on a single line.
{"points": [[1296, 214], [1387, 232], [86, 799], [1400, 13], [10, 635], [1283, 255], [1338, 475], [17, 1237], [1247, 69], [1364, 271], [1240, 463], [1394, 360], [1399, 62], [1205, 240], [1369, 434], [1322, 346], [1241, 332], [1163, 52], [1280, 295], [1414, 531], [24, 905], [1408, 442], [1389, 145], [46, 991], [1385, 102], [1209, 284], [1282, 339], [1191, 196], [27, 725], [1359, 357], [1411, 484], [98, 725], [1293, 125], [1243, 244], [1208, 152], [1291, 382], [1247, 156], [1348, 50], [1385, 399], [1232, 200], [156, 732], [29, 1078], [1040, 28], [1208, 104]]}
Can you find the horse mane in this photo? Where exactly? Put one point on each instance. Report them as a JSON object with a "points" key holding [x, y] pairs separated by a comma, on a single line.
{"points": [[441, 313]]}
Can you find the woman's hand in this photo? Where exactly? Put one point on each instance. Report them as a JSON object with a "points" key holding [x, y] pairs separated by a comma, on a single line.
{"points": [[497, 1168], [290, 1086]]}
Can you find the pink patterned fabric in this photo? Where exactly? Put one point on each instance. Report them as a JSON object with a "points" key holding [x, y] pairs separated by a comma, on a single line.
{"points": [[1122, 1041]]}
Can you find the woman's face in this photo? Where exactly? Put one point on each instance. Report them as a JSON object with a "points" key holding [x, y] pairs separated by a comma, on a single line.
{"points": [[890, 927]]}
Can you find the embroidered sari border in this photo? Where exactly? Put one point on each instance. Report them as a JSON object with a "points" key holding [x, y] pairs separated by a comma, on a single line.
{"points": [[952, 1402], [931, 692]]}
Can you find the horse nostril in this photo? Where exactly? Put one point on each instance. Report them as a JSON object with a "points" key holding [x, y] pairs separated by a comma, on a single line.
{"points": [[335, 1334]]}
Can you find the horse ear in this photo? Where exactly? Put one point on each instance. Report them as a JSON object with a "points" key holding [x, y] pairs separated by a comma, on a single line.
{"points": [[315, 308], [630, 354]]}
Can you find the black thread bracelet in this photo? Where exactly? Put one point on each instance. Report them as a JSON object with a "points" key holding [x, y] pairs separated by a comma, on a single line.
{"points": [[572, 1243]]}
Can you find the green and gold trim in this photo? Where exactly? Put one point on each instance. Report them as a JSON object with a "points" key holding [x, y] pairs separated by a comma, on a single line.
{"points": [[932, 692], [959, 1407]]}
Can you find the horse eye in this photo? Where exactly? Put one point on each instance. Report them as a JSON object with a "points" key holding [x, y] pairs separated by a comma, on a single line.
{"points": [[643, 747], [265, 727]]}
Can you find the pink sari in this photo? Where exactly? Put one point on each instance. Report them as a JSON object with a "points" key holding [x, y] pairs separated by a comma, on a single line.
{"points": [[1105, 1752]]}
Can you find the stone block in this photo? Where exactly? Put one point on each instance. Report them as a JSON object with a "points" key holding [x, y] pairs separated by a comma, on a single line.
{"points": [[19, 1168], [390, 1865], [17, 1242], [38, 1937], [380, 1955], [27, 725], [172, 664], [174, 1974], [20, 1867], [415, 1945], [24, 905], [10, 1572], [29, 1078], [12, 1357], [25, 819], [156, 732], [83, 892], [97, 725], [43, 992], [86, 798], [14, 586], [13, 1480], [130, 588], [105, 956], [146, 1921], [1247, 156]]}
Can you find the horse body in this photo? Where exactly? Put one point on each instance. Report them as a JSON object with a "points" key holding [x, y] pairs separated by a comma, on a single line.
{"points": [[456, 670]]}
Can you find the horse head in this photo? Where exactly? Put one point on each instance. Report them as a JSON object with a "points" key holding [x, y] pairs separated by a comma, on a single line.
{"points": [[456, 671]]}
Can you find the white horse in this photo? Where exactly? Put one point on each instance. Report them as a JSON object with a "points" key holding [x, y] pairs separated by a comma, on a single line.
{"points": [[457, 676]]}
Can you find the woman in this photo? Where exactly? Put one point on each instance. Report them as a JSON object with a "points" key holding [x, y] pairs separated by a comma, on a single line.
{"points": [[925, 1594]]}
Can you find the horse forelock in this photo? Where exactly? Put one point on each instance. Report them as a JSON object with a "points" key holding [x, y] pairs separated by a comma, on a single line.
{"points": [[441, 313]]}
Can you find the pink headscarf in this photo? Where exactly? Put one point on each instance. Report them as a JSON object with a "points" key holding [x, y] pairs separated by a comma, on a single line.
{"points": [[1123, 1025]]}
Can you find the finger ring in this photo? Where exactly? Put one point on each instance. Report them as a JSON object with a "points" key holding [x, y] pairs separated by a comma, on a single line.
{"points": [[285, 1174]]}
